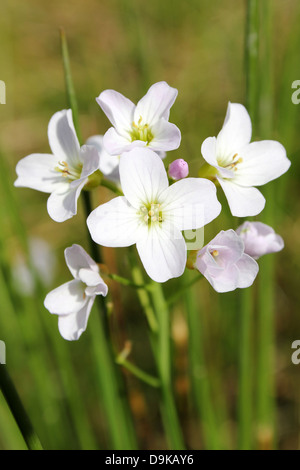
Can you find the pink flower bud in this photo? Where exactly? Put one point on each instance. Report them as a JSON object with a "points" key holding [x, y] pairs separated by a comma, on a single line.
{"points": [[178, 169], [259, 239]]}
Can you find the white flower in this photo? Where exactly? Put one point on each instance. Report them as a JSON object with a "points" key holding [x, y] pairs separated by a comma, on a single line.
{"points": [[239, 165], [224, 263], [145, 124], [109, 164], [259, 239], [152, 214], [64, 173], [73, 301]]}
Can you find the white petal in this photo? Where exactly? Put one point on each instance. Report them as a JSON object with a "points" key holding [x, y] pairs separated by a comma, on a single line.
{"points": [[248, 269], [236, 131], [90, 159], [62, 137], [37, 171], [243, 202], [92, 279], [167, 136], [109, 164], [114, 223], [77, 258], [209, 153], [115, 143], [62, 204], [163, 253], [72, 326], [262, 162], [143, 176], [99, 289], [66, 299], [117, 108], [191, 203], [156, 103]]}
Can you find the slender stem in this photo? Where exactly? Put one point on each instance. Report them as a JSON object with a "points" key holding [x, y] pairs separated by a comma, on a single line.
{"points": [[168, 406], [199, 374], [139, 373], [266, 322], [126, 282], [71, 95], [245, 401], [14, 402], [112, 186]]}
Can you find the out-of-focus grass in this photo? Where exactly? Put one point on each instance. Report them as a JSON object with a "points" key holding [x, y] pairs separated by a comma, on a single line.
{"points": [[197, 47]]}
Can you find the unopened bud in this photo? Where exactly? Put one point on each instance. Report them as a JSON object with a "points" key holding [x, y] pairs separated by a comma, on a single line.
{"points": [[178, 169]]}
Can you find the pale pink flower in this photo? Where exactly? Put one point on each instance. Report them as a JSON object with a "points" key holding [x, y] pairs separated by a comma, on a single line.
{"points": [[259, 239], [225, 264]]}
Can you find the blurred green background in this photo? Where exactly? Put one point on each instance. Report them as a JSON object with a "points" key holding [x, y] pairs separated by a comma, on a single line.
{"points": [[127, 45]]}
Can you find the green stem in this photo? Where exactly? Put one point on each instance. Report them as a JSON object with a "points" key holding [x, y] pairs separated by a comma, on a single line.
{"points": [[245, 401], [126, 282], [112, 187], [14, 402], [266, 322], [139, 373], [71, 95], [199, 374], [168, 406]]}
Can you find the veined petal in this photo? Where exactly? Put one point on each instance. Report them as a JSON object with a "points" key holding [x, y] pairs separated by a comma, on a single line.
{"points": [[191, 203], [115, 223], [77, 258], [167, 136], [72, 326], [248, 269], [156, 103], [261, 162], [37, 171], [118, 109], [163, 253], [236, 131], [109, 164], [143, 176], [116, 144], [62, 204], [62, 137], [66, 299], [243, 202], [90, 159]]}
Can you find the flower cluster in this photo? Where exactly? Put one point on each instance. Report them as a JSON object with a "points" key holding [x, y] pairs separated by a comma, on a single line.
{"points": [[157, 205]]}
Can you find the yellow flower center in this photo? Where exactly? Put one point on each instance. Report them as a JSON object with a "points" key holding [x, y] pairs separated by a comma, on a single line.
{"points": [[141, 131], [151, 213], [70, 173], [232, 164]]}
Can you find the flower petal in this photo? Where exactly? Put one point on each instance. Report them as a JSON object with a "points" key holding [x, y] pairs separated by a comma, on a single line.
{"points": [[62, 204], [248, 269], [66, 299], [259, 239], [163, 253], [77, 258], [62, 137], [156, 103], [236, 131], [191, 203], [115, 223], [90, 159], [118, 109], [167, 136], [262, 162], [209, 153], [143, 176], [72, 326], [243, 202], [109, 164], [37, 171]]}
